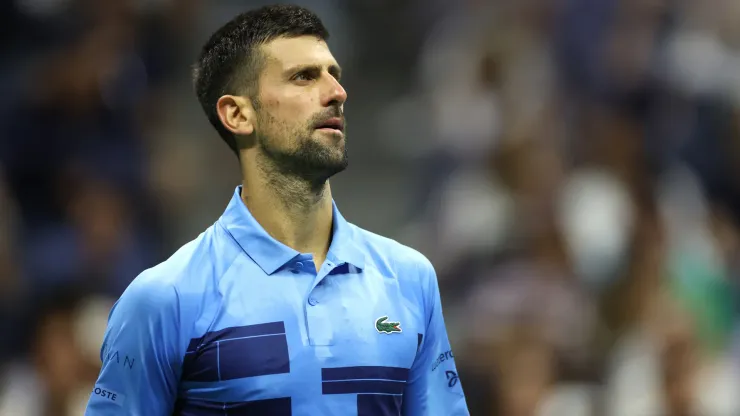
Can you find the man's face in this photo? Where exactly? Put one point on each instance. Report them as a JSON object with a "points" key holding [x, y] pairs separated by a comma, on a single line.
{"points": [[300, 119]]}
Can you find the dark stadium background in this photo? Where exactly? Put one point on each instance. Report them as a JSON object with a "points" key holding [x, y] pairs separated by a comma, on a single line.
{"points": [[571, 167]]}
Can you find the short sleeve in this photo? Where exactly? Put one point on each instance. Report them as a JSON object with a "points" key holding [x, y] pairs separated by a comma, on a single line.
{"points": [[140, 353], [434, 387]]}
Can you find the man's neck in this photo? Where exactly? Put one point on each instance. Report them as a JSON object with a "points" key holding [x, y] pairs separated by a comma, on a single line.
{"points": [[292, 211]]}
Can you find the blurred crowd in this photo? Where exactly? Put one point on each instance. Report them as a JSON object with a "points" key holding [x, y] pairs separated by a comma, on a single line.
{"points": [[571, 168]]}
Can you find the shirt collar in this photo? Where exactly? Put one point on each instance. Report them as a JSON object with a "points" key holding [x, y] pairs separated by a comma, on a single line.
{"points": [[270, 254]]}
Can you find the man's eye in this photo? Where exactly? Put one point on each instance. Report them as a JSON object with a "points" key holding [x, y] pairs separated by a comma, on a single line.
{"points": [[303, 76]]}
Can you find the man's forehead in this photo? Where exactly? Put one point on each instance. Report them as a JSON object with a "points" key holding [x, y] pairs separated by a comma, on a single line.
{"points": [[285, 53]]}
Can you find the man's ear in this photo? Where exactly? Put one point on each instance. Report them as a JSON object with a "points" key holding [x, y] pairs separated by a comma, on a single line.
{"points": [[237, 114]]}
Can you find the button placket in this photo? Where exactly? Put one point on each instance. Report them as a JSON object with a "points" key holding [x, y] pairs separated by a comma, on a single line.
{"points": [[313, 297], [318, 315]]}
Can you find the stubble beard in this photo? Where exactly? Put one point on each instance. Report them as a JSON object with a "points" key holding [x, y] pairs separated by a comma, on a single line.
{"points": [[311, 164]]}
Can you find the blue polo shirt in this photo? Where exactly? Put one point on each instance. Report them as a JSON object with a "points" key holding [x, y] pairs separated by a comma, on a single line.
{"points": [[237, 323]]}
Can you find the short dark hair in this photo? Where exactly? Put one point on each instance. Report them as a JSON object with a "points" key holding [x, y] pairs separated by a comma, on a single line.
{"points": [[230, 62]]}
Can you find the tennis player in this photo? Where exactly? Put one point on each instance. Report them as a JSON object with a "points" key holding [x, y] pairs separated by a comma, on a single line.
{"points": [[281, 307]]}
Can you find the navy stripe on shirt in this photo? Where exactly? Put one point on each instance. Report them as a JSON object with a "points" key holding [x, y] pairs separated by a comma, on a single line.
{"points": [[365, 373], [270, 328], [239, 352], [363, 386]]}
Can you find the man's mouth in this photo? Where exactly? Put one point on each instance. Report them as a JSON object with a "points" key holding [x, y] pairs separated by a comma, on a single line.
{"points": [[334, 123]]}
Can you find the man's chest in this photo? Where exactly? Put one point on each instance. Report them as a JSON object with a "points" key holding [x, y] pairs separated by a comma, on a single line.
{"points": [[337, 340]]}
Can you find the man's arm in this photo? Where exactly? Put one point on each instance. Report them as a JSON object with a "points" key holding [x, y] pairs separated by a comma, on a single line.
{"points": [[433, 387], [140, 354]]}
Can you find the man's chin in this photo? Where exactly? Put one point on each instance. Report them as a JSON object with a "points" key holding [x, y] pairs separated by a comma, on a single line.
{"points": [[318, 168], [316, 160], [330, 140], [329, 152]]}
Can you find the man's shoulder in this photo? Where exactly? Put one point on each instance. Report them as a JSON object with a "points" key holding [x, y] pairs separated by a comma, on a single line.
{"points": [[191, 267], [386, 252]]}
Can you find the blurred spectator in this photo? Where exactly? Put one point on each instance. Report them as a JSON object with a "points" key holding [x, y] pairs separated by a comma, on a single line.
{"points": [[74, 141], [63, 359], [79, 114]]}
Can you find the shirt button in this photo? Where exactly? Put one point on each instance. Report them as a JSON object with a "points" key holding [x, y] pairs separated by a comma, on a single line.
{"points": [[312, 301], [299, 265]]}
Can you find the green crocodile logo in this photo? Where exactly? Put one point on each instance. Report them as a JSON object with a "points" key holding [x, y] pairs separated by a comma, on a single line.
{"points": [[384, 327]]}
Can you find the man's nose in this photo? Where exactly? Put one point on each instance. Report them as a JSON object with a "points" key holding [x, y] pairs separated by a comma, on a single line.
{"points": [[336, 94]]}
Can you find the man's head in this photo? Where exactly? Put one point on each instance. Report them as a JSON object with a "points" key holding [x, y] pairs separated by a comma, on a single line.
{"points": [[270, 85]]}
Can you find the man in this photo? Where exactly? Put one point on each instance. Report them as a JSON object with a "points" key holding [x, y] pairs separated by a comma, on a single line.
{"points": [[281, 307]]}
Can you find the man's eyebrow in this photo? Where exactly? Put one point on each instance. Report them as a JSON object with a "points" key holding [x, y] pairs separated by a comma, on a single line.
{"points": [[334, 70]]}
